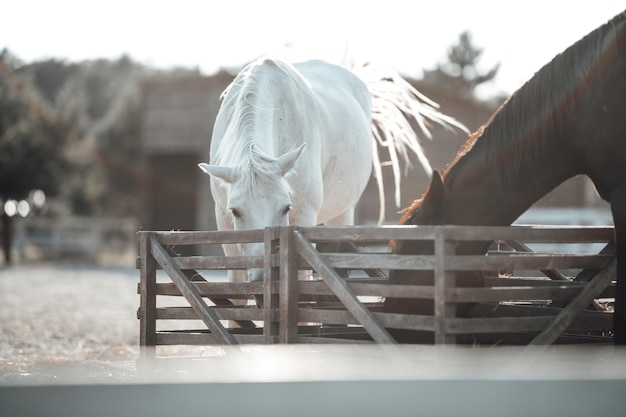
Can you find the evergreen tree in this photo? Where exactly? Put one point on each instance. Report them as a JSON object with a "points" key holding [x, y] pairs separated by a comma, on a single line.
{"points": [[460, 72]]}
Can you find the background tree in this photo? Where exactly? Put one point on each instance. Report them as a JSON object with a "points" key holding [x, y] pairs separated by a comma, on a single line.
{"points": [[32, 145], [100, 101], [460, 72]]}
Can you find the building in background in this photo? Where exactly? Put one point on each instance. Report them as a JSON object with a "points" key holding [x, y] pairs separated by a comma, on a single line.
{"points": [[178, 114]]}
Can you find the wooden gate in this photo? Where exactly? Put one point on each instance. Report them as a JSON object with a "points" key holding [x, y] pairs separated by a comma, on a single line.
{"points": [[531, 295]]}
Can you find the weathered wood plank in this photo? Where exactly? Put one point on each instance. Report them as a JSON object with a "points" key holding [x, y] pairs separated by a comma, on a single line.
{"points": [[389, 320], [211, 237], [190, 293], [327, 316], [341, 290], [339, 338], [368, 233], [223, 313], [444, 311], [380, 261], [200, 339], [521, 293], [407, 321], [271, 279], [525, 262], [147, 298], [218, 262], [288, 288], [496, 325], [372, 290], [529, 261], [240, 290], [530, 234]]}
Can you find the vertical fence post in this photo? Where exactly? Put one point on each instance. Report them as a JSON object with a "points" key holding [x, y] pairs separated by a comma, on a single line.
{"points": [[288, 302], [271, 277], [444, 279], [147, 295]]}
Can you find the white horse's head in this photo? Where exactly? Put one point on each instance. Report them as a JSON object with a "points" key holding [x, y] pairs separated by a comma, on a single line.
{"points": [[259, 195]]}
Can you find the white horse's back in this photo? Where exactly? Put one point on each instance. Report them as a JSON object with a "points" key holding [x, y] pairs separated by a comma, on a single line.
{"points": [[346, 151]]}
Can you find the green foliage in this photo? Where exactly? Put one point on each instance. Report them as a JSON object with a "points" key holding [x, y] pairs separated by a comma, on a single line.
{"points": [[31, 145], [99, 102]]}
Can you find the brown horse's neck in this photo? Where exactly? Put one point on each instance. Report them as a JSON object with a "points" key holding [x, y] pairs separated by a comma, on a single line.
{"points": [[494, 190], [540, 137]]}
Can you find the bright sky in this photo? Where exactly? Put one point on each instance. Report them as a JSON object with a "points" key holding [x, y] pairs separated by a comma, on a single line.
{"points": [[406, 35]]}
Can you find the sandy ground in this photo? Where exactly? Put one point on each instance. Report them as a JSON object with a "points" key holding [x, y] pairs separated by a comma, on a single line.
{"points": [[65, 330], [57, 319], [52, 317]]}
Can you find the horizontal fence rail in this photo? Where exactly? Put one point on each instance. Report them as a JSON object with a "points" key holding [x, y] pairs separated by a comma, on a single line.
{"points": [[329, 284]]}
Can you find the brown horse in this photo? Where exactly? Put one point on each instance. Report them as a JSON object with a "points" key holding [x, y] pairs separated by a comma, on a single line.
{"points": [[569, 119]]}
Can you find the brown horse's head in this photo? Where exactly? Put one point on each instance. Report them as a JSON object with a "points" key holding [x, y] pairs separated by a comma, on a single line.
{"points": [[428, 209]]}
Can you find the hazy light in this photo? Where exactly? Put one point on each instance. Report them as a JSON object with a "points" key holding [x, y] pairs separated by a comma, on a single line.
{"points": [[10, 208], [23, 208], [38, 197]]}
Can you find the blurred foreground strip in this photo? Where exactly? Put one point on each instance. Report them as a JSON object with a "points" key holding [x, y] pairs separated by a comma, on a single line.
{"points": [[346, 380]]}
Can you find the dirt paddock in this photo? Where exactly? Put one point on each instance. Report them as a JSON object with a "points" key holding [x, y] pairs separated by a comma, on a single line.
{"points": [[51, 317]]}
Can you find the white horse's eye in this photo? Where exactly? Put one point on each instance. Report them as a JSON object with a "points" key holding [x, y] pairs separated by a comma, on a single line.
{"points": [[235, 213], [286, 210]]}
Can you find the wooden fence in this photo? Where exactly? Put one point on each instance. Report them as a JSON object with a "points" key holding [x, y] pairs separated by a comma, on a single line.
{"points": [[529, 297], [105, 241]]}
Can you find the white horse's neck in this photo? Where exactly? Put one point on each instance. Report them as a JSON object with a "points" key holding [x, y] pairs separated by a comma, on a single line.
{"points": [[262, 101]]}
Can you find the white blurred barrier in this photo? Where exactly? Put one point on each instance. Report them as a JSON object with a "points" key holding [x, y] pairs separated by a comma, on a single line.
{"points": [[331, 380]]}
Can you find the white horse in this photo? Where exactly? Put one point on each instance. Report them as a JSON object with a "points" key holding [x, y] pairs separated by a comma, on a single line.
{"points": [[293, 145]]}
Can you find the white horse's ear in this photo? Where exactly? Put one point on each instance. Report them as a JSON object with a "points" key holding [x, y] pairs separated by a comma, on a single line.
{"points": [[287, 161], [228, 174]]}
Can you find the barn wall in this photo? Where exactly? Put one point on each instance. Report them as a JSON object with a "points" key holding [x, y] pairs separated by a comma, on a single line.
{"points": [[178, 114]]}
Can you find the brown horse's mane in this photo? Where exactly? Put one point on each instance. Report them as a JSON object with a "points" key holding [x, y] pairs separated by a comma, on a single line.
{"points": [[523, 127], [407, 212]]}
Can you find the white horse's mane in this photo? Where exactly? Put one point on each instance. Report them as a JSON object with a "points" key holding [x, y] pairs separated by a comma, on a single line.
{"points": [[246, 101], [394, 101]]}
